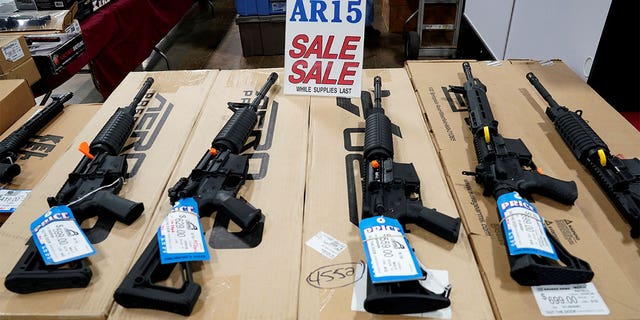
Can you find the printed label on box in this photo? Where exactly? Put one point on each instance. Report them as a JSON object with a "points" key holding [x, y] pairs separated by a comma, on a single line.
{"points": [[327, 245], [569, 300], [13, 51]]}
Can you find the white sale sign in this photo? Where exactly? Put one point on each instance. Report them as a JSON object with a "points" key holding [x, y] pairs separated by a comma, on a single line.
{"points": [[323, 47]]}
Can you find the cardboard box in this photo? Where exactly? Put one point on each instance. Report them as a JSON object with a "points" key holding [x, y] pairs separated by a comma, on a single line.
{"points": [[27, 71], [14, 52], [623, 140], [52, 52], [259, 282], [44, 148], [518, 119], [15, 99], [336, 138], [261, 35], [164, 124]]}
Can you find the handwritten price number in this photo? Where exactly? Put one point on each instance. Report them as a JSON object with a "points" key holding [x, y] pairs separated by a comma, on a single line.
{"points": [[558, 300], [321, 277], [335, 276]]}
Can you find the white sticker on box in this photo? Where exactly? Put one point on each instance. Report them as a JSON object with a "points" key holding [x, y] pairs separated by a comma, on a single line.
{"points": [[569, 300], [13, 51], [11, 199], [437, 281], [327, 245]]}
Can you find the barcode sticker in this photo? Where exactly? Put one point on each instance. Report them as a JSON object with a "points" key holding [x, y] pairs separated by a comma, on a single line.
{"points": [[10, 200], [13, 51], [327, 245]]}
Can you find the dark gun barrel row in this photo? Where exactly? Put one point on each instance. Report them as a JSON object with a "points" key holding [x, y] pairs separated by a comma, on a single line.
{"points": [[10, 145], [619, 178]]}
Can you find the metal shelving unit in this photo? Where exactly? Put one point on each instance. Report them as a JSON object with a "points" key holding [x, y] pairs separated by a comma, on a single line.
{"points": [[414, 46]]}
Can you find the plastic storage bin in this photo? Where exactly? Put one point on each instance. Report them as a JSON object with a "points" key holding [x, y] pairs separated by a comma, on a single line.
{"points": [[260, 7], [261, 35]]}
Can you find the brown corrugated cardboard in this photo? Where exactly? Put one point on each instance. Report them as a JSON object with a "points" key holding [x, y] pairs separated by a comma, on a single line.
{"points": [[259, 282], [335, 139], [15, 99], [622, 138], [26, 70], [172, 107], [518, 119], [13, 52], [42, 151]]}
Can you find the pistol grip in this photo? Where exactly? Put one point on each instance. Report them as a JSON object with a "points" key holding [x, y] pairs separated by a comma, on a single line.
{"points": [[123, 210], [239, 211], [138, 289], [562, 191], [438, 223], [31, 274]]}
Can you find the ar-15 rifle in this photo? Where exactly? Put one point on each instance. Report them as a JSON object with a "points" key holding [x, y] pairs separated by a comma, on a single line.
{"points": [[10, 145], [90, 190], [392, 189], [619, 178], [213, 184], [506, 165]]}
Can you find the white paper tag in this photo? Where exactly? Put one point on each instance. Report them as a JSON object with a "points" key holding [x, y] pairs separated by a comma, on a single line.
{"points": [[13, 51], [180, 236], [569, 300], [59, 238], [10, 200], [327, 245], [437, 281]]}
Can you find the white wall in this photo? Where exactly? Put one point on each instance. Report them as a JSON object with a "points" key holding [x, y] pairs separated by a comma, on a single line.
{"points": [[542, 29]]}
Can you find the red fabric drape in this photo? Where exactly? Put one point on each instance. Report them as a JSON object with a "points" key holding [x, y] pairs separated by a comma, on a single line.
{"points": [[118, 38]]}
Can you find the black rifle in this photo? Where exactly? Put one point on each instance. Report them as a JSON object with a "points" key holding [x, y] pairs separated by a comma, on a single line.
{"points": [[506, 165], [392, 189], [10, 146], [619, 178], [213, 183], [90, 190]]}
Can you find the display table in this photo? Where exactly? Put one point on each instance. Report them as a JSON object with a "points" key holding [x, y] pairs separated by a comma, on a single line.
{"points": [[118, 38]]}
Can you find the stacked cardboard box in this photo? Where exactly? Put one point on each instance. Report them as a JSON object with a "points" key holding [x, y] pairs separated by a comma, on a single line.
{"points": [[165, 119], [257, 282], [521, 115], [332, 197]]}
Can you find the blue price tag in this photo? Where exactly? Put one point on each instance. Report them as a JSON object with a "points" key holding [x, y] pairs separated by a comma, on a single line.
{"points": [[390, 258], [180, 235], [59, 238], [523, 227]]}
